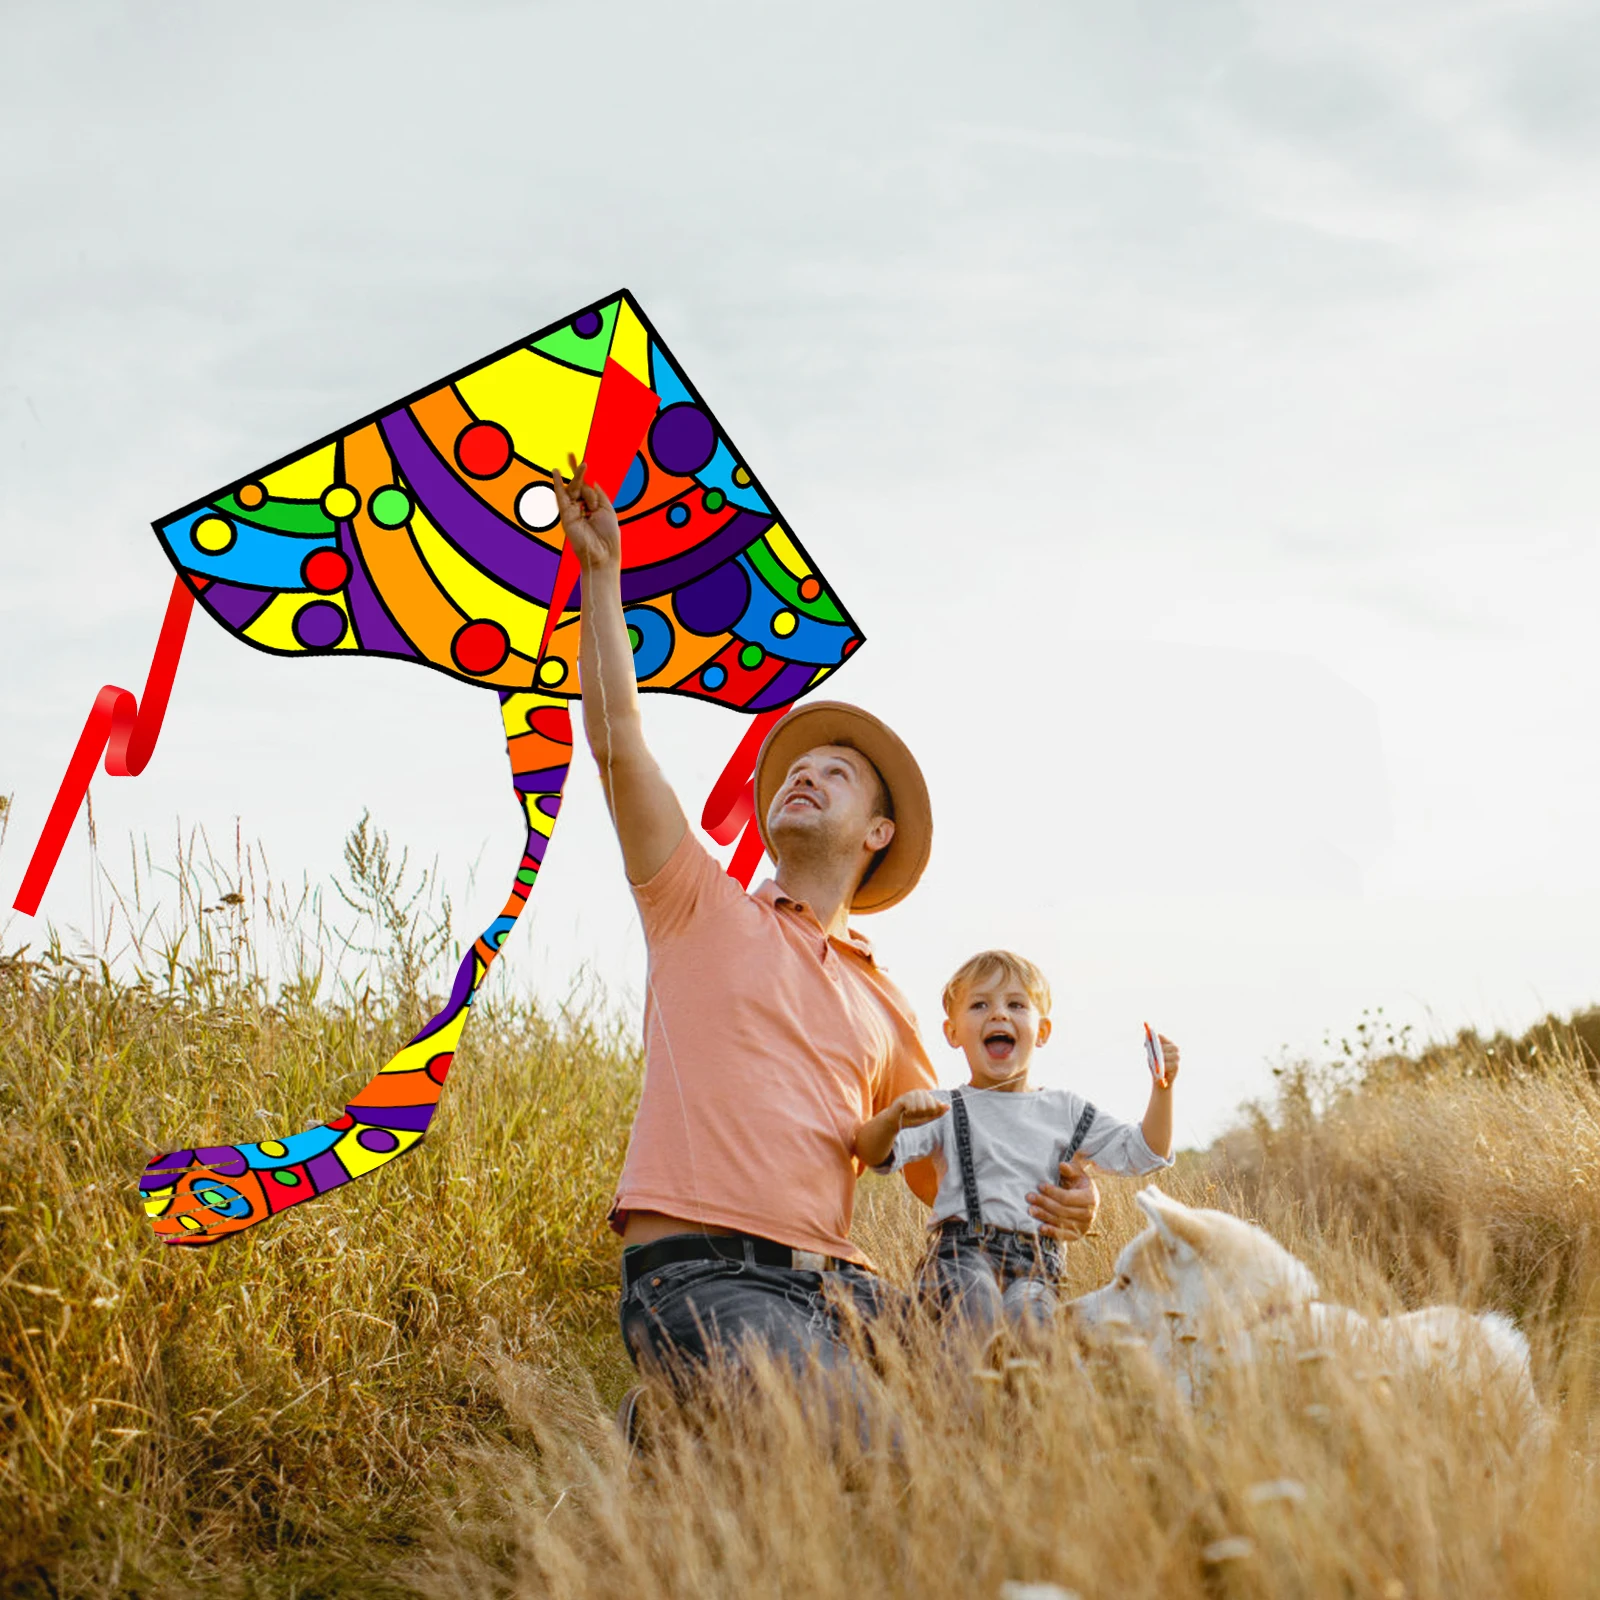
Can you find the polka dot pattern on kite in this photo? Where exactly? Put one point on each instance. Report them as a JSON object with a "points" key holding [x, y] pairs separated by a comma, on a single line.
{"points": [[483, 450], [683, 440], [714, 603], [537, 507], [480, 647], [390, 507], [341, 501], [214, 535], [319, 625], [325, 571], [654, 635]]}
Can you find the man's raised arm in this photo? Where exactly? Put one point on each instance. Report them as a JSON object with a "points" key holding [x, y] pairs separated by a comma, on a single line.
{"points": [[648, 819]]}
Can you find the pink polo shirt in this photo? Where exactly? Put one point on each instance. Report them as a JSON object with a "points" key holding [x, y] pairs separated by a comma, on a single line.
{"points": [[766, 1044]]}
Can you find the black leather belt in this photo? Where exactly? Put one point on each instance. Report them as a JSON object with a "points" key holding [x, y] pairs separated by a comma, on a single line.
{"points": [[740, 1247]]}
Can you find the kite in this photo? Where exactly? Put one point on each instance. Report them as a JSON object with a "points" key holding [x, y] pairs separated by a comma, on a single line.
{"points": [[429, 532]]}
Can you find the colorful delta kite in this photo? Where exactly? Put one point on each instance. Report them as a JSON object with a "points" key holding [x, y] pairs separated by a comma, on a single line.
{"points": [[428, 531]]}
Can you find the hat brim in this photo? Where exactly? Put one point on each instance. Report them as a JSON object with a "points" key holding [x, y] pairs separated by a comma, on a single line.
{"points": [[834, 722]]}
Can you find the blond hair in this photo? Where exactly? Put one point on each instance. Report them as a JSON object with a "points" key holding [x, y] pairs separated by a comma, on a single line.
{"points": [[1018, 969]]}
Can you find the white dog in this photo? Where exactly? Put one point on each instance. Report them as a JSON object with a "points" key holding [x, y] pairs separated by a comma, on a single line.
{"points": [[1199, 1288]]}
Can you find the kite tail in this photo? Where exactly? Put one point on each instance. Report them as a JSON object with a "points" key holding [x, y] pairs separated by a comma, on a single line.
{"points": [[200, 1196]]}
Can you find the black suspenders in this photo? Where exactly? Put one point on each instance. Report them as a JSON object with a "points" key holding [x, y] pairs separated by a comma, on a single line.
{"points": [[969, 1178], [1081, 1132]]}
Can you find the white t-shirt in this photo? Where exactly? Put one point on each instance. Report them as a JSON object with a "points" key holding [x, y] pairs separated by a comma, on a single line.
{"points": [[1019, 1140]]}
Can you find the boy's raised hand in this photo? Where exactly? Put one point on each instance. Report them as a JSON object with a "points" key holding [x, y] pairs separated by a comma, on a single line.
{"points": [[587, 518], [1162, 1058], [1169, 1059]]}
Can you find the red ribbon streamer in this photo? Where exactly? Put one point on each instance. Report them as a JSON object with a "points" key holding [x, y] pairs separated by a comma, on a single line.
{"points": [[125, 729], [730, 809]]}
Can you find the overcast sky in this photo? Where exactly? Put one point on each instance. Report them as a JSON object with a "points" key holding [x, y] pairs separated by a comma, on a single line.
{"points": [[1193, 402]]}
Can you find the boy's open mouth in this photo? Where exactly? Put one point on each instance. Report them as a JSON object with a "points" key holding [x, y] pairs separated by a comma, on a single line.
{"points": [[998, 1045]]}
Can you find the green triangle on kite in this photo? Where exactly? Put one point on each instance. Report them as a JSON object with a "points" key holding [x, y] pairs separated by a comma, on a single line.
{"points": [[567, 345]]}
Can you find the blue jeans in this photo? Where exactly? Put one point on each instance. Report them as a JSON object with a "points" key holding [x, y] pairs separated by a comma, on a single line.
{"points": [[981, 1282], [684, 1314]]}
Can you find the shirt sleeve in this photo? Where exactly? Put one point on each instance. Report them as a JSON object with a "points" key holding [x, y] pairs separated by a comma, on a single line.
{"points": [[689, 884], [1119, 1147], [913, 1144]]}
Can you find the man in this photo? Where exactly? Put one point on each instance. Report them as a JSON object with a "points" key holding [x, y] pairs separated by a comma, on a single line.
{"points": [[770, 1031]]}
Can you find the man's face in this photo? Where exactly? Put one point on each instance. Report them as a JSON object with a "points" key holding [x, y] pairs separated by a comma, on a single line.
{"points": [[828, 801]]}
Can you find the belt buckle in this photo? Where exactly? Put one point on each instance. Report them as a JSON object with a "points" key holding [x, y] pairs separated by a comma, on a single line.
{"points": [[809, 1261]]}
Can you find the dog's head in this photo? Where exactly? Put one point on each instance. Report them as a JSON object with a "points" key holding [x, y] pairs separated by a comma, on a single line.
{"points": [[1191, 1274]]}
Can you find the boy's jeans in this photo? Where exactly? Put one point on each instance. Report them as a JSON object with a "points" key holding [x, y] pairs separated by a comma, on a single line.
{"points": [[983, 1279]]}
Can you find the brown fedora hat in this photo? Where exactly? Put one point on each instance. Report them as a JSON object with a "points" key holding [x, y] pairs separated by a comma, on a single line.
{"points": [[821, 722]]}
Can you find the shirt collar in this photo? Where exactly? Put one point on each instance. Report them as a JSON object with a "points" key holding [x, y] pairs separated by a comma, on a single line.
{"points": [[770, 894]]}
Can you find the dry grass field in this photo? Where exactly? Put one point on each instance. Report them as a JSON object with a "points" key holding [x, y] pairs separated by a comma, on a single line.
{"points": [[407, 1388]]}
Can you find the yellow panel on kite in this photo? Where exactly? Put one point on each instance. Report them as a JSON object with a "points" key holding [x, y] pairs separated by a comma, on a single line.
{"points": [[304, 478], [544, 406]]}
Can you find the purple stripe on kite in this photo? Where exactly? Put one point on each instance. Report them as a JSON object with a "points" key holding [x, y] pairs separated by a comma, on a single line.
{"points": [[223, 1159], [237, 606], [641, 583], [410, 1119], [508, 553], [459, 991], [537, 844], [374, 629], [545, 778], [326, 1171], [550, 804], [788, 685]]}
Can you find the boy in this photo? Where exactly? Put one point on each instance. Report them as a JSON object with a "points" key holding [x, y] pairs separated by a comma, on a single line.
{"points": [[989, 1257]]}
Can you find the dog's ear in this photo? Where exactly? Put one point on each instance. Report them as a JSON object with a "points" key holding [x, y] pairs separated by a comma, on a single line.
{"points": [[1181, 1230]]}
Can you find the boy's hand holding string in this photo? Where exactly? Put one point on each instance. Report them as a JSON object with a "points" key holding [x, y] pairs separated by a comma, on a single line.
{"points": [[875, 1137]]}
